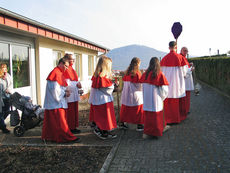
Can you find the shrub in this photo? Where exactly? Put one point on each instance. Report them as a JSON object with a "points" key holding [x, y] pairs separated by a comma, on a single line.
{"points": [[214, 71]]}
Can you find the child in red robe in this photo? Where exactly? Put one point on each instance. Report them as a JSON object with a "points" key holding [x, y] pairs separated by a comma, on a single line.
{"points": [[132, 97], [102, 110], [155, 90]]}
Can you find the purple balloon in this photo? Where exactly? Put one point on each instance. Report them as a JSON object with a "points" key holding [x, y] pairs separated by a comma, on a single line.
{"points": [[176, 29]]}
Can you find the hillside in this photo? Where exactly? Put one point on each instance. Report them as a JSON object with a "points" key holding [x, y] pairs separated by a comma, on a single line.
{"points": [[122, 56]]}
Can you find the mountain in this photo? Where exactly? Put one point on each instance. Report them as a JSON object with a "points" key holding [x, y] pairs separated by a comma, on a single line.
{"points": [[122, 56]]}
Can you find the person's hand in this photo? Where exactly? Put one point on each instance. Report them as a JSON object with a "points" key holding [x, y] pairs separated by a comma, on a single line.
{"points": [[193, 68], [191, 63], [7, 91], [79, 85], [67, 93], [116, 83]]}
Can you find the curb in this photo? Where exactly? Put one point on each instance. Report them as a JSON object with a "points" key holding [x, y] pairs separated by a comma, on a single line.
{"points": [[110, 157]]}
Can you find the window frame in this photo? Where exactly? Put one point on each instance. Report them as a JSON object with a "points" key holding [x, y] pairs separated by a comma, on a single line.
{"points": [[55, 62], [90, 73], [10, 66], [79, 66]]}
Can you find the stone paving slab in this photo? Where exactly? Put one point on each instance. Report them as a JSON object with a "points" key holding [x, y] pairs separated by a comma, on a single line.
{"points": [[32, 137], [199, 144]]}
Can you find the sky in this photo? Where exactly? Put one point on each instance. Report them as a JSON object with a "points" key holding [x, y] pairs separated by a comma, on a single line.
{"points": [[117, 23]]}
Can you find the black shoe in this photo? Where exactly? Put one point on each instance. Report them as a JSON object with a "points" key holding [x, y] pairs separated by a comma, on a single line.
{"points": [[75, 131], [78, 140], [123, 126], [100, 134], [93, 125], [6, 131], [140, 127]]}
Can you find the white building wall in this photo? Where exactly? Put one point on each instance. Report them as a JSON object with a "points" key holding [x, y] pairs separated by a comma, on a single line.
{"points": [[46, 66], [86, 80]]}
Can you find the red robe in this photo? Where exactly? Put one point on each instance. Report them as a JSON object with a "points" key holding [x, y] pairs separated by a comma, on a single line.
{"points": [[72, 111], [55, 126], [174, 111], [132, 114], [154, 122], [186, 100], [103, 115]]}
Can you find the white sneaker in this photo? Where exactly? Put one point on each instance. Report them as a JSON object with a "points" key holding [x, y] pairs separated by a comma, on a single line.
{"points": [[110, 135], [167, 127]]}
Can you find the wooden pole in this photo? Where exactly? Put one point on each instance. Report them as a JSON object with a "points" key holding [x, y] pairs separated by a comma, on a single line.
{"points": [[118, 105], [176, 45]]}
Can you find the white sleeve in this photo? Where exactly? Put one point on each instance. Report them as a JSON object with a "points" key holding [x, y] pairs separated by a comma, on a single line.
{"points": [[10, 83], [56, 90], [185, 70], [163, 91], [189, 72], [107, 90], [1, 100]]}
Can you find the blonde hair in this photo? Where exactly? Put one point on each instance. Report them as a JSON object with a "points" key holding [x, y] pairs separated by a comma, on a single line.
{"points": [[104, 67], [1, 67], [1, 73]]}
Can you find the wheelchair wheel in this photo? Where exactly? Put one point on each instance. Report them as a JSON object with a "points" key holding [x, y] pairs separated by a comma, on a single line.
{"points": [[19, 131]]}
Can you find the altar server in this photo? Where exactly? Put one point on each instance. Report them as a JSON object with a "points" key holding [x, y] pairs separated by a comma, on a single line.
{"points": [[174, 69], [189, 86], [155, 90], [102, 110], [132, 97], [55, 127], [73, 86]]}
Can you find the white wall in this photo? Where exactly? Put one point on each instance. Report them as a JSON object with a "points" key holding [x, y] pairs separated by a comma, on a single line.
{"points": [[86, 80], [46, 66]]}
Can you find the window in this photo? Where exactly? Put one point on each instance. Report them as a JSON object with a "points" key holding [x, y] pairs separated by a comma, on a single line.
{"points": [[57, 55], [78, 65], [90, 65], [17, 59], [20, 64]]}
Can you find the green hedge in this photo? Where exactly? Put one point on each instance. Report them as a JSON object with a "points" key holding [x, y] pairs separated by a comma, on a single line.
{"points": [[214, 71]]}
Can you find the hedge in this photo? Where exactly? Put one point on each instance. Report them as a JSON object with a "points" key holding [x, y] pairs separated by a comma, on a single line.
{"points": [[214, 71]]}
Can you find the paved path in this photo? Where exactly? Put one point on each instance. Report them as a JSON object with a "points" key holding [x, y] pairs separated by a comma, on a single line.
{"points": [[200, 144]]}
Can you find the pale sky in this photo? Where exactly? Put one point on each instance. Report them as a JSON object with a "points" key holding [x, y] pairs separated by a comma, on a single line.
{"points": [[117, 23]]}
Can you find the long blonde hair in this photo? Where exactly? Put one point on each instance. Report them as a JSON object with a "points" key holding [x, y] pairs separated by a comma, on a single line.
{"points": [[104, 67], [1, 71]]}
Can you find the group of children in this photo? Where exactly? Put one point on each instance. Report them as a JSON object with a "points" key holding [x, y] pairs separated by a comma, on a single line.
{"points": [[150, 100], [142, 98]]}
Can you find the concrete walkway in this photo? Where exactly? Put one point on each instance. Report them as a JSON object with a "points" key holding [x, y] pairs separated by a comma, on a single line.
{"points": [[200, 144]]}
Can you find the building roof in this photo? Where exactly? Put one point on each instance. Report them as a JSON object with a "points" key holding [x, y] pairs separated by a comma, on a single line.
{"points": [[20, 22]]}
